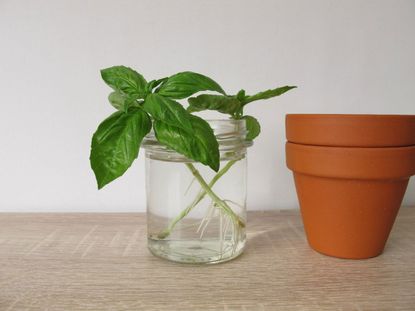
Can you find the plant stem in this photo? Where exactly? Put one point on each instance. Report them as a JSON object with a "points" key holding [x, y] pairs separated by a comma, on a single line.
{"points": [[222, 204], [215, 178], [202, 193]]}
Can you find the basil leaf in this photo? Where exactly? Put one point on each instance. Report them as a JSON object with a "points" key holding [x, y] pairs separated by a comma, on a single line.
{"points": [[125, 80], [185, 84], [155, 83], [115, 144], [117, 100], [121, 102], [268, 94], [221, 103], [252, 126], [168, 111], [241, 95], [200, 145]]}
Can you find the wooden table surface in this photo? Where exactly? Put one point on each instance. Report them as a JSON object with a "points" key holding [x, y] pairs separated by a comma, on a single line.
{"points": [[100, 262]]}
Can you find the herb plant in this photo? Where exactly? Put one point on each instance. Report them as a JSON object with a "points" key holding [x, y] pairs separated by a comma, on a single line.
{"points": [[142, 106]]}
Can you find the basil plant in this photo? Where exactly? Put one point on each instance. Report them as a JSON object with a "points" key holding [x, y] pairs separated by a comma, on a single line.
{"points": [[143, 105]]}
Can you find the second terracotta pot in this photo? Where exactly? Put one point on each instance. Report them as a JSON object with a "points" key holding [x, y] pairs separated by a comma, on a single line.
{"points": [[349, 197]]}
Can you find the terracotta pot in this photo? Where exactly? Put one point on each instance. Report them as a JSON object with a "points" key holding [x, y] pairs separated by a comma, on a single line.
{"points": [[351, 130], [349, 197]]}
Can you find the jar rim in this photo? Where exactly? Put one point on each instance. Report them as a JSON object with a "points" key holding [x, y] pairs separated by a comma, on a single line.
{"points": [[230, 134]]}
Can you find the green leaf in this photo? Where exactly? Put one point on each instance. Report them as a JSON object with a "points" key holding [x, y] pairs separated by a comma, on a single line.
{"points": [[126, 81], [268, 94], [221, 103], [115, 144], [241, 95], [168, 111], [252, 126], [117, 100], [121, 102], [154, 83], [185, 84], [200, 145]]}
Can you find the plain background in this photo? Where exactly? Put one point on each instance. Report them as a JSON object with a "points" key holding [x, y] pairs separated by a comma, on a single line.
{"points": [[345, 57]]}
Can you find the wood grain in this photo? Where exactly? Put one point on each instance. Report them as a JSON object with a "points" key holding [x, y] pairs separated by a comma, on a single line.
{"points": [[100, 262]]}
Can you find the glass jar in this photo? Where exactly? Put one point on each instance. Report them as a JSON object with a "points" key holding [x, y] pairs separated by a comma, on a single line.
{"points": [[195, 215]]}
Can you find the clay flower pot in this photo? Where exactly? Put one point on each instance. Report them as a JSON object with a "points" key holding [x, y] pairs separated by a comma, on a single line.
{"points": [[349, 196]]}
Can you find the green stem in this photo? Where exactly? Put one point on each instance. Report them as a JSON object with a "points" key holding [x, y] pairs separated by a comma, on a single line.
{"points": [[215, 178], [202, 193], [222, 204]]}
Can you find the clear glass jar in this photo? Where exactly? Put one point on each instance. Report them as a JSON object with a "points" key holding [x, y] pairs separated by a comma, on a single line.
{"points": [[195, 215]]}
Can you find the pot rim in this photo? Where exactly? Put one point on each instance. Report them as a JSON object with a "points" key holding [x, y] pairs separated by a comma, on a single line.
{"points": [[351, 162], [351, 115], [351, 130]]}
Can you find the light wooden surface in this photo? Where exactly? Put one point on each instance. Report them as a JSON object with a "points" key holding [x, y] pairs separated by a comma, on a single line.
{"points": [[100, 262]]}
